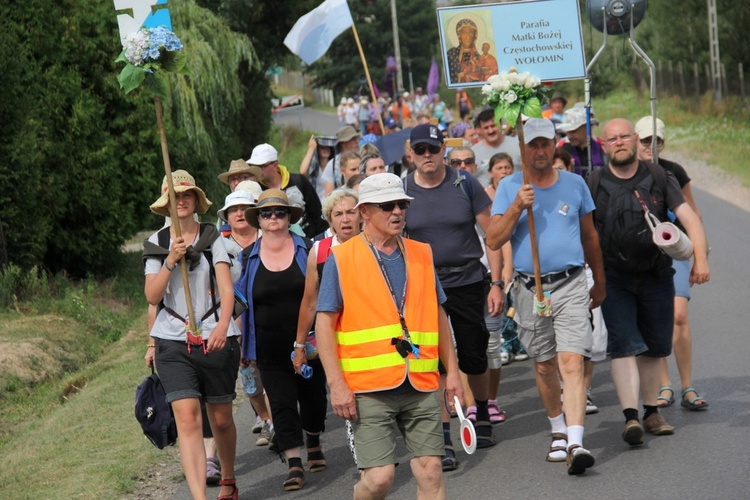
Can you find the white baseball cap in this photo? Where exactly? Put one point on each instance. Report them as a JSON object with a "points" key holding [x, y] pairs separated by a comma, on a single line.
{"points": [[263, 154], [538, 127], [645, 128]]}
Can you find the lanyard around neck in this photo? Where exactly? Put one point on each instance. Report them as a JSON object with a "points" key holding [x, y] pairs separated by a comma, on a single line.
{"points": [[399, 305]]}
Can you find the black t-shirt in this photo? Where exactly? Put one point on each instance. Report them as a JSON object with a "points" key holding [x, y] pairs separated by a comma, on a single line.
{"points": [[677, 170], [277, 296]]}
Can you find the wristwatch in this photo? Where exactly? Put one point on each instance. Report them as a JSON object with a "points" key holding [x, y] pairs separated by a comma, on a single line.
{"points": [[499, 283], [297, 345]]}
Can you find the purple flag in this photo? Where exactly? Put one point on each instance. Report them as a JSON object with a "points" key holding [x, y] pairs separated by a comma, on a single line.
{"points": [[433, 79]]}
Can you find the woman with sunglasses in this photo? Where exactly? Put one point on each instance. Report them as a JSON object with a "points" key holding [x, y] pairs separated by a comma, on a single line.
{"points": [[273, 281]]}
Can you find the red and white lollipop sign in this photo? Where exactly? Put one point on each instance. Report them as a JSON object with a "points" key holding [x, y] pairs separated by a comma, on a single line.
{"points": [[468, 434]]}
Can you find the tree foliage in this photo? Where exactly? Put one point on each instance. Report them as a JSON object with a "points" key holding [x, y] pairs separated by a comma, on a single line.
{"points": [[80, 161]]}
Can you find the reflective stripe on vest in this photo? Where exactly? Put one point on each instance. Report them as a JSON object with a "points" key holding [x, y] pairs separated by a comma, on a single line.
{"points": [[369, 320]]}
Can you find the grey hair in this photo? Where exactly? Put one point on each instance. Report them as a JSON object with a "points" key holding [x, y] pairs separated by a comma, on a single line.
{"points": [[336, 196]]}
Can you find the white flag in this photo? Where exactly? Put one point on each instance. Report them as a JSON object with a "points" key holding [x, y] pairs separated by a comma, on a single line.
{"points": [[314, 32]]}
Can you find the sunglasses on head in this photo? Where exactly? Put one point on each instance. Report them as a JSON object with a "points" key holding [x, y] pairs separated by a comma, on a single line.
{"points": [[420, 149], [280, 213], [648, 140], [456, 162], [389, 206]]}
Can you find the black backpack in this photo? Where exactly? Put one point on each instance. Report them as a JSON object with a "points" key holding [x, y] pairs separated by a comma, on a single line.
{"points": [[624, 235], [154, 413]]}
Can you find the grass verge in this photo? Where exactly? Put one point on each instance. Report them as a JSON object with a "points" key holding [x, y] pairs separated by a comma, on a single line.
{"points": [[70, 359], [696, 128]]}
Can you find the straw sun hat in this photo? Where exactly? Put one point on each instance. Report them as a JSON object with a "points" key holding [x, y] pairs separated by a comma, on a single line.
{"points": [[183, 182], [240, 167], [269, 199]]}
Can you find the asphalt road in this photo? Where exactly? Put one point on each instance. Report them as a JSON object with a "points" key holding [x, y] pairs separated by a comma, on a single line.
{"points": [[708, 456]]}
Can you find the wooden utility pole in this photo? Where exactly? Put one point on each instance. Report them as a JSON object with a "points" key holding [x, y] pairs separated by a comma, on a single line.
{"points": [[713, 37]]}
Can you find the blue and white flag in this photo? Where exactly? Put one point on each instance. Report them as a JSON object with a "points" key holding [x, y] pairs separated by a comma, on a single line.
{"points": [[314, 32]]}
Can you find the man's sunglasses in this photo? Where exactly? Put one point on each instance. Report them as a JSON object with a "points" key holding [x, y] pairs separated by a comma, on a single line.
{"points": [[420, 149], [456, 162], [648, 140], [389, 206], [280, 213]]}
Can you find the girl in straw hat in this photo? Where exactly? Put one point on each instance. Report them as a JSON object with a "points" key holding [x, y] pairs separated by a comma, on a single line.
{"points": [[200, 365]]}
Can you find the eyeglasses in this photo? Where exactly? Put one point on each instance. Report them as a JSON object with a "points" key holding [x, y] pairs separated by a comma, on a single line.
{"points": [[456, 162], [421, 149], [267, 164], [389, 206], [648, 140], [241, 177], [624, 138], [280, 213]]}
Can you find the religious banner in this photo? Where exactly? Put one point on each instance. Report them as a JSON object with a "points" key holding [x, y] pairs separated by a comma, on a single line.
{"points": [[542, 37]]}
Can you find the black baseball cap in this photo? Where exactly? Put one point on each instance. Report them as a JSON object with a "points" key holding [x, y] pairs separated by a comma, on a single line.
{"points": [[426, 133]]}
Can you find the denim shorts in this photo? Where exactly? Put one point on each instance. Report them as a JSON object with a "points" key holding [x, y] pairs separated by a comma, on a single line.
{"points": [[639, 313], [208, 377], [682, 278]]}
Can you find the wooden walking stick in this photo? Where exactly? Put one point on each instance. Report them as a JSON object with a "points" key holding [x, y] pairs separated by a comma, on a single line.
{"points": [[192, 327], [542, 302]]}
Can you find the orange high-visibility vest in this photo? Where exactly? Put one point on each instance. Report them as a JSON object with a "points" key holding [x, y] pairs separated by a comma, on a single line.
{"points": [[369, 320]]}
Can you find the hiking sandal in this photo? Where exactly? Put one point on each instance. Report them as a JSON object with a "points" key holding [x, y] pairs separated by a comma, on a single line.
{"points": [[294, 479], [316, 461], [558, 436], [235, 492], [669, 400], [691, 404]]}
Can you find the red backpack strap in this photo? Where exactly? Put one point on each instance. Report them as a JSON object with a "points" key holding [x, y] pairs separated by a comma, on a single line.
{"points": [[324, 249]]}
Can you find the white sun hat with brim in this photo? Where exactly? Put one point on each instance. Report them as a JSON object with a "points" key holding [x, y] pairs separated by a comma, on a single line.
{"points": [[238, 198], [183, 182], [381, 188]]}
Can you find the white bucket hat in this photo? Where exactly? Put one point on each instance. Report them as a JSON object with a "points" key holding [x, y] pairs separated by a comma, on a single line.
{"points": [[381, 188], [239, 197]]}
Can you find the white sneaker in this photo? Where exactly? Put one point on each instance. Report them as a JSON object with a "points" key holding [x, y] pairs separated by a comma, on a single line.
{"points": [[258, 424], [590, 406]]}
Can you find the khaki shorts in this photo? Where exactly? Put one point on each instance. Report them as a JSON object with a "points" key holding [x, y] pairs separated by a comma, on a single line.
{"points": [[569, 327], [417, 415]]}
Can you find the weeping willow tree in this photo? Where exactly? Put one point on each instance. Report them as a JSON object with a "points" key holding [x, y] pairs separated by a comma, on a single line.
{"points": [[205, 106]]}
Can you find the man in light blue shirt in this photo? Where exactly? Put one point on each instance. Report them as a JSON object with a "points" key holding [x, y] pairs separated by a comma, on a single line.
{"points": [[566, 238]]}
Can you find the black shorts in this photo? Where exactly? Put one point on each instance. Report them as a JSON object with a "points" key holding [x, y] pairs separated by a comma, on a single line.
{"points": [[465, 308], [208, 377]]}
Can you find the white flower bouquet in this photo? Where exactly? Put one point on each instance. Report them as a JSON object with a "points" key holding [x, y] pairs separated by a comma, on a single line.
{"points": [[145, 52], [511, 93]]}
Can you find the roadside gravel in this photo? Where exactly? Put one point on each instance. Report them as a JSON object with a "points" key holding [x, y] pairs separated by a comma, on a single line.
{"points": [[713, 180]]}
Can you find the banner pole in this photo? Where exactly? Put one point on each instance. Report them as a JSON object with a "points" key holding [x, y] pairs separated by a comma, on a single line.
{"points": [[369, 81]]}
